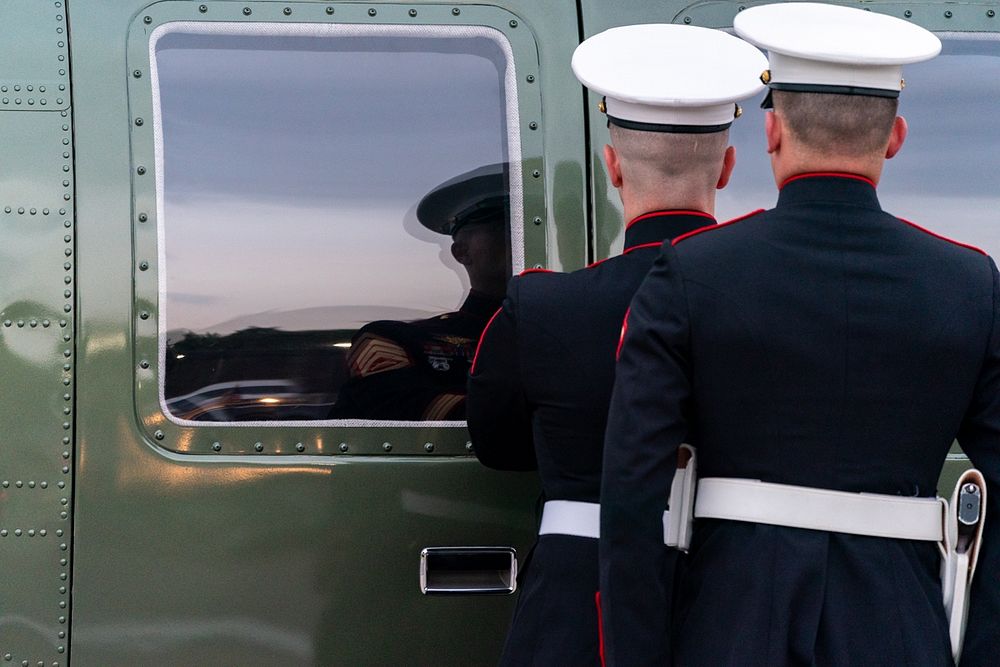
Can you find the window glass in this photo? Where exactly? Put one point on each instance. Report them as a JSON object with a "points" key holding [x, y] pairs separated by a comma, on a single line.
{"points": [[947, 176], [333, 220]]}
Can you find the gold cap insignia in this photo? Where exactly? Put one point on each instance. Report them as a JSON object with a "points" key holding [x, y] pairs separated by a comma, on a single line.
{"points": [[765, 77], [602, 107], [738, 112], [902, 84]]}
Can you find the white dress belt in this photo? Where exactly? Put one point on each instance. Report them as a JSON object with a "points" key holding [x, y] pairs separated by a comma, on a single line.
{"points": [[872, 514]]}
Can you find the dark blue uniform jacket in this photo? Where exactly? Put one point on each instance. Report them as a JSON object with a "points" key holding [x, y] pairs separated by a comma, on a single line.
{"points": [[822, 343], [538, 394]]}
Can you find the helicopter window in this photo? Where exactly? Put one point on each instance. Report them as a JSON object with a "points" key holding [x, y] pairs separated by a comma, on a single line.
{"points": [[947, 176], [336, 206]]}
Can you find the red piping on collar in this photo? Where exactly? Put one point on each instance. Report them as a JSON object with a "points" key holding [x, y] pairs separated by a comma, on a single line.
{"points": [[656, 214], [827, 174], [709, 228], [527, 271], [943, 238], [479, 345]]}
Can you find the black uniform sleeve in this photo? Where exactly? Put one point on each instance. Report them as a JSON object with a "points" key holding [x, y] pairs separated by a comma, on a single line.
{"points": [[980, 439], [499, 420], [646, 425]]}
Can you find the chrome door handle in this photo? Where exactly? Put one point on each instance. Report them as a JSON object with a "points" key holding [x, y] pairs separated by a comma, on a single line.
{"points": [[468, 570]]}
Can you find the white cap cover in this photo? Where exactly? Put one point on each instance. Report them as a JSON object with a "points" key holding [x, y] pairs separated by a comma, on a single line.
{"points": [[823, 48], [669, 78]]}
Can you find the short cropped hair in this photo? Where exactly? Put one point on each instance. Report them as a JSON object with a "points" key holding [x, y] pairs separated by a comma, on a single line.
{"points": [[654, 158], [834, 124]]}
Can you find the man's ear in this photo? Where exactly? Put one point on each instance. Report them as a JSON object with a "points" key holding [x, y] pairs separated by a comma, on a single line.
{"points": [[728, 162], [614, 166], [773, 128], [460, 250], [896, 137]]}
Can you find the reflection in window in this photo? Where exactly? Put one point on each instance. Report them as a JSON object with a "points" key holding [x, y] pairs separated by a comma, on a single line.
{"points": [[947, 176], [334, 219]]}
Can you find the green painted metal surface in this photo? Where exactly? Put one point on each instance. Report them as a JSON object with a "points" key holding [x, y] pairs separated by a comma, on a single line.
{"points": [[37, 356], [185, 555]]}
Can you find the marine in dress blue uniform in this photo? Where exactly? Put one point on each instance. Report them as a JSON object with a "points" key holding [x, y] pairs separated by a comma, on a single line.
{"points": [[542, 377], [824, 343], [417, 371]]}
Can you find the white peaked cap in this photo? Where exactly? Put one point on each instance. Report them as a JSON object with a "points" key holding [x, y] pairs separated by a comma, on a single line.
{"points": [[669, 78], [815, 47]]}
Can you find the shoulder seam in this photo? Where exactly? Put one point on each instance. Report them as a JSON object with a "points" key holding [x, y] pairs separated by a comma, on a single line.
{"points": [[943, 238], [709, 228]]}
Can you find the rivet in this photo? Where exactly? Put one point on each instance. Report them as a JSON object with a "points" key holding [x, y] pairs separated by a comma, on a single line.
{"points": [[513, 23], [43, 532], [65, 455], [216, 446], [33, 323], [537, 220], [7, 323], [62, 323], [43, 102], [33, 211], [990, 13], [17, 88], [428, 447], [5, 484], [17, 532], [413, 12], [329, 10], [62, 590], [536, 173], [343, 447], [158, 434], [65, 167], [387, 446], [533, 125], [539, 266], [143, 265], [29, 88], [20, 323], [372, 12], [4, 533], [143, 217], [66, 155], [67, 353], [530, 78], [138, 122], [60, 649], [455, 11], [259, 446], [140, 171], [299, 447], [137, 73], [63, 515], [67, 238], [468, 446], [144, 315], [203, 8], [247, 11], [68, 279], [45, 211], [19, 484], [287, 11], [907, 13], [62, 634], [31, 485], [66, 381], [65, 470], [947, 15], [31, 532], [20, 211], [59, 532], [67, 293], [143, 364], [61, 485], [687, 19], [31, 101], [65, 440], [44, 485]]}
